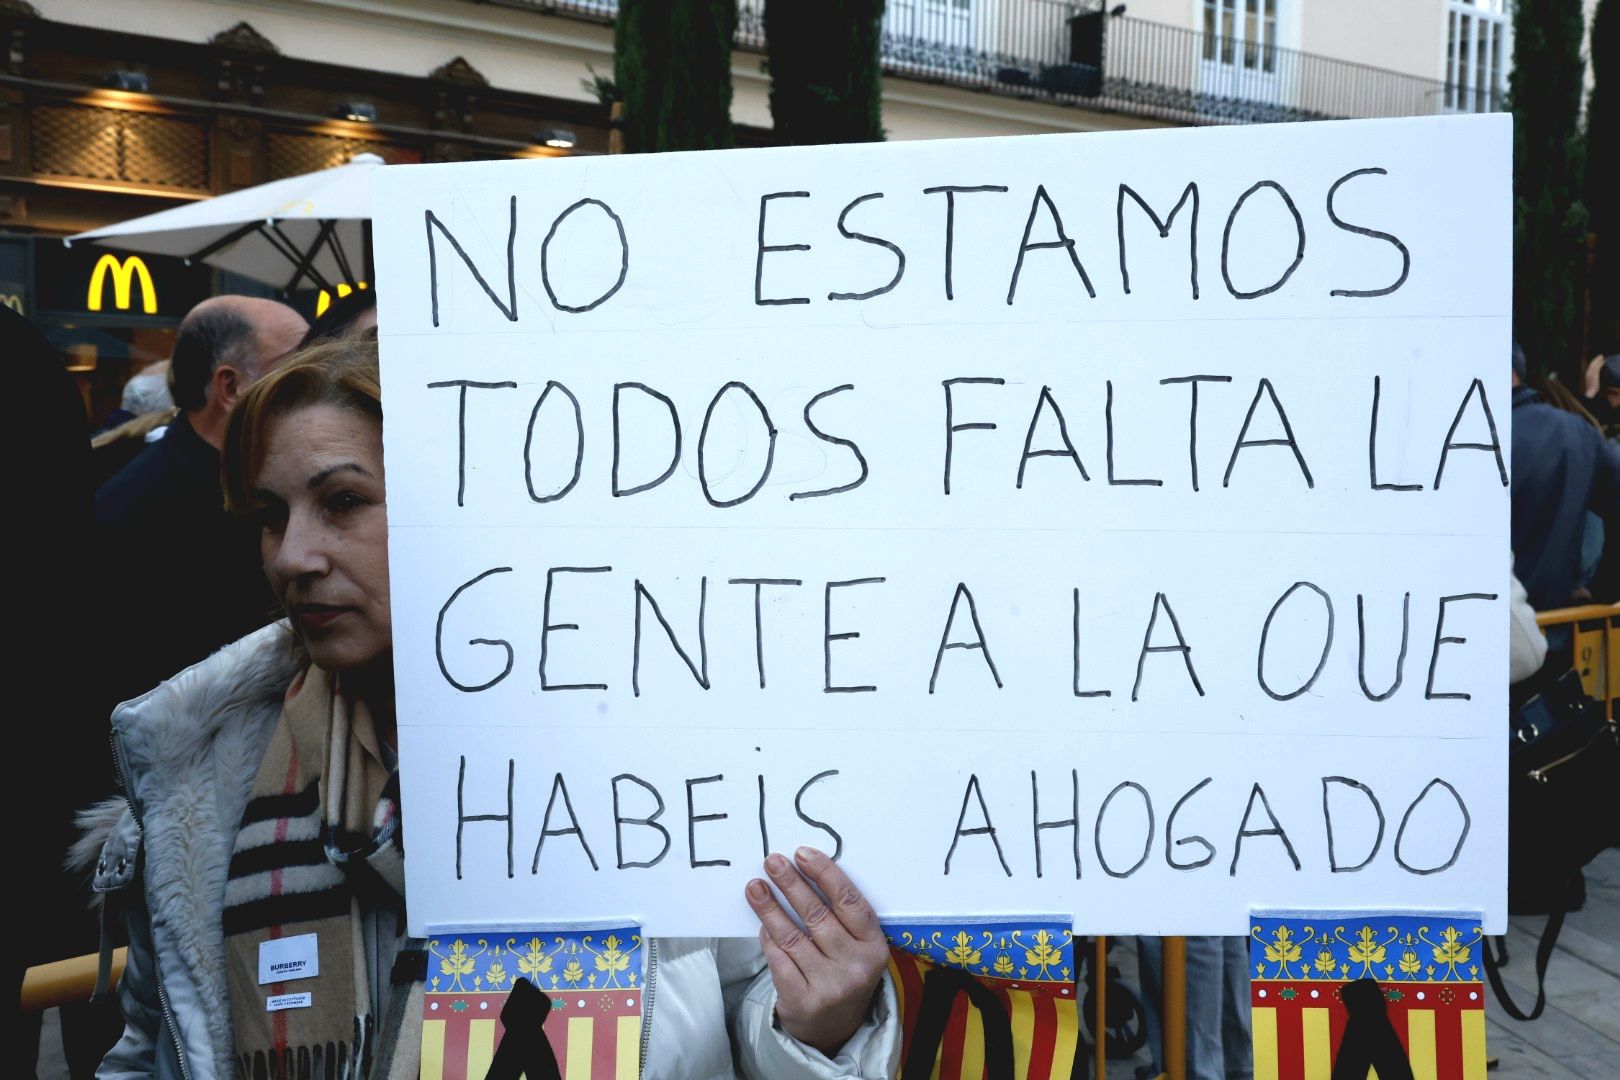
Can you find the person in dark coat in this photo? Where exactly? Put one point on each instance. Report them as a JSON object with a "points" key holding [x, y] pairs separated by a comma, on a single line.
{"points": [[1602, 392], [47, 446], [191, 581], [1562, 470]]}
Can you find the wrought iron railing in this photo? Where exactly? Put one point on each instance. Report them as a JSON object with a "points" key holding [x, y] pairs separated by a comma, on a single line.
{"points": [[1071, 52], [1169, 72]]}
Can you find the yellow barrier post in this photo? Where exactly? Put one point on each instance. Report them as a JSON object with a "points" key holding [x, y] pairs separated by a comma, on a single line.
{"points": [[1173, 978], [1612, 658], [66, 981], [1099, 1008], [1175, 1007]]}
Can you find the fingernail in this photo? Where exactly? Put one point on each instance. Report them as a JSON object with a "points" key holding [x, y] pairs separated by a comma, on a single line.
{"points": [[757, 890], [808, 855], [776, 865]]}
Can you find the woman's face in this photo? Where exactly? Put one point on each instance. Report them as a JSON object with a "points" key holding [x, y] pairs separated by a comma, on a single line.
{"points": [[324, 540]]}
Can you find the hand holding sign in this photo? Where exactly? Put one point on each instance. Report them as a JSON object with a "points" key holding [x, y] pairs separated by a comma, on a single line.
{"points": [[826, 973]]}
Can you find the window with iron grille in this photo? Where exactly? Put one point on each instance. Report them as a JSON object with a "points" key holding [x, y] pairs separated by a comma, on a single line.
{"points": [[291, 155], [91, 143]]}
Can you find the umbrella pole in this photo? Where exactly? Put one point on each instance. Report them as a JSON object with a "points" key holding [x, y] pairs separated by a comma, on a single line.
{"points": [[334, 241], [303, 265], [365, 254]]}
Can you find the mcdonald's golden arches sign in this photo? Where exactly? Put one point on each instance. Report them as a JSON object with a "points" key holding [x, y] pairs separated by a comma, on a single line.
{"points": [[124, 274], [93, 281]]}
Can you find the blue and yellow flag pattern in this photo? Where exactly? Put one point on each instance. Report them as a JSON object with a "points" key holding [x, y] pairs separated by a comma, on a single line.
{"points": [[594, 980]]}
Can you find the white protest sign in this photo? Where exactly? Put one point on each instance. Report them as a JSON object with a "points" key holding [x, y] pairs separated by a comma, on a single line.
{"points": [[1113, 524]]}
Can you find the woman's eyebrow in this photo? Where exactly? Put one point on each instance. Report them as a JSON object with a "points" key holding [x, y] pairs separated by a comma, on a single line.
{"points": [[326, 474]]}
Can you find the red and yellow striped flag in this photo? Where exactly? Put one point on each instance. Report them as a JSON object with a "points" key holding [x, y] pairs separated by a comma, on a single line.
{"points": [[1419, 977], [1298, 1037], [1022, 973]]}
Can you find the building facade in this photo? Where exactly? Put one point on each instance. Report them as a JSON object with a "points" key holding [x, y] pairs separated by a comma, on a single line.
{"points": [[110, 109]]}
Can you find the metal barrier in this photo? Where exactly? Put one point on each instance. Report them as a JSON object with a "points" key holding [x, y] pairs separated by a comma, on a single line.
{"points": [[1174, 980], [1595, 629]]}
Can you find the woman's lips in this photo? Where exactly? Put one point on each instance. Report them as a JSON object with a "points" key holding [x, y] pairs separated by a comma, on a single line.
{"points": [[318, 616]]}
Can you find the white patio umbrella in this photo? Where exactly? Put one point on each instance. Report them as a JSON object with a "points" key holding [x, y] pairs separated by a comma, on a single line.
{"points": [[314, 228]]}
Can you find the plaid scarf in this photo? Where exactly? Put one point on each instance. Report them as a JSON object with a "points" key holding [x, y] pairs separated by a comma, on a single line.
{"points": [[319, 842]]}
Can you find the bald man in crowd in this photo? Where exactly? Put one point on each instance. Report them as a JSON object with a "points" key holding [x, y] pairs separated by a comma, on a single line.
{"points": [[183, 577]]}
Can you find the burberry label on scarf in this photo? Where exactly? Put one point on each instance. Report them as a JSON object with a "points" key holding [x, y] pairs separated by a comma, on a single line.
{"points": [[289, 1001], [289, 958]]}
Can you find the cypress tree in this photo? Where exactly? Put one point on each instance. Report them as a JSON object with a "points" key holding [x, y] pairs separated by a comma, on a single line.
{"points": [[672, 67], [826, 74], [1549, 218], [1603, 176]]}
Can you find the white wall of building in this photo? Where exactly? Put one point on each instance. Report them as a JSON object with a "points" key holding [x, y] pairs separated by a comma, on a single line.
{"points": [[1408, 36], [1184, 13], [1586, 49], [913, 110]]}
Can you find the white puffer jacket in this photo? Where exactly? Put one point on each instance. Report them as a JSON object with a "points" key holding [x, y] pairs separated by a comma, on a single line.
{"points": [[187, 754]]}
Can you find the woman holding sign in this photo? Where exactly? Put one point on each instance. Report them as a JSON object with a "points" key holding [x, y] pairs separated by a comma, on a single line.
{"points": [[263, 822]]}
